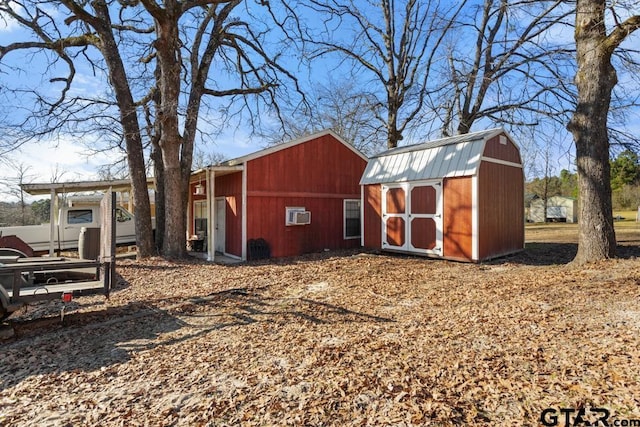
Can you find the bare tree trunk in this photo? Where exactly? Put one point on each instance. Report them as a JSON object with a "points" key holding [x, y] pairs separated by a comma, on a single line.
{"points": [[131, 128], [545, 190], [156, 157], [209, 27], [464, 126], [595, 80], [168, 53], [137, 171], [393, 134], [175, 241]]}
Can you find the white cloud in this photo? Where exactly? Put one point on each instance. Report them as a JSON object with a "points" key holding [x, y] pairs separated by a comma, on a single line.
{"points": [[67, 157], [8, 24], [66, 160], [47, 160]]}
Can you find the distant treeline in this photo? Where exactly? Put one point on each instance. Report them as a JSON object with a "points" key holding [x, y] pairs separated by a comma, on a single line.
{"points": [[28, 214], [625, 183]]}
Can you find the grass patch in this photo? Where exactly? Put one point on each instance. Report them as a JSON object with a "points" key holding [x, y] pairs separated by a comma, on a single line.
{"points": [[625, 216]]}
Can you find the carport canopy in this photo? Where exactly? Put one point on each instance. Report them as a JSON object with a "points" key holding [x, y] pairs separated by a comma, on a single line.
{"points": [[55, 188]]}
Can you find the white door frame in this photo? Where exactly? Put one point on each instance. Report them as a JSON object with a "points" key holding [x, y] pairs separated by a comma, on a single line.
{"points": [[409, 216], [386, 215], [219, 226]]}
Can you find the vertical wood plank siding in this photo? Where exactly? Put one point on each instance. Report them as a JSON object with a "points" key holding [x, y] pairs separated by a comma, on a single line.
{"points": [[230, 187], [372, 216], [317, 175], [507, 152], [456, 223], [423, 233], [423, 200], [395, 230], [396, 201], [501, 212]]}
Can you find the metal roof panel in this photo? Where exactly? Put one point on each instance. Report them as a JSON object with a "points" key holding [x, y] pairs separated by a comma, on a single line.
{"points": [[447, 157]]}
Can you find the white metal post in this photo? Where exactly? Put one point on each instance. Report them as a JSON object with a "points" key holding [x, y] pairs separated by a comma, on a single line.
{"points": [[53, 204], [244, 212], [211, 215]]}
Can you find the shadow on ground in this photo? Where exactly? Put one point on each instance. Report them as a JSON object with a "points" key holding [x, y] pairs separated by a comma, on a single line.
{"points": [[536, 253], [539, 253], [94, 340]]}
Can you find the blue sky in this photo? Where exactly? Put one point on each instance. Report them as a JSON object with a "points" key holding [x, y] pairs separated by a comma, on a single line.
{"points": [[64, 153]]}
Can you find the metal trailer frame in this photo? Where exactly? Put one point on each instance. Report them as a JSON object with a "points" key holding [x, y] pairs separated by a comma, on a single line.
{"points": [[22, 293]]}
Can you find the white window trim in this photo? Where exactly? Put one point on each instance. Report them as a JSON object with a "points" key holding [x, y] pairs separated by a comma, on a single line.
{"points": [[199, 206], [344, 219]]}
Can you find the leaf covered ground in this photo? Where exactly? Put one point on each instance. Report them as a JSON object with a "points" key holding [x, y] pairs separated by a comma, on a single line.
{"points": [[340, 338]]}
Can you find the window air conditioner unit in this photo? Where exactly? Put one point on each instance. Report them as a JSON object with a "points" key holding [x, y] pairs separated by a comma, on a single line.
{"points": [[302, 218], [297, 216]]}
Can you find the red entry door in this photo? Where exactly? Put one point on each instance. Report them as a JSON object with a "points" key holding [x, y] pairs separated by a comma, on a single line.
{"points": [[412, 217]]}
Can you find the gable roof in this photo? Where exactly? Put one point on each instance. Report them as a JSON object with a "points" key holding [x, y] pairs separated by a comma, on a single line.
{"points": [[284, 146], [458, 155]]}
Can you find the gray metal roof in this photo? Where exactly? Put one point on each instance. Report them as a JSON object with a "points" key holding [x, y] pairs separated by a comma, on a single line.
{"points": [[76, 186], [458, 155]]}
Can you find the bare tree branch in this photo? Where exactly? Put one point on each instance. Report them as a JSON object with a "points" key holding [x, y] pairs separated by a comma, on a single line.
{"points": [[396, 46]]}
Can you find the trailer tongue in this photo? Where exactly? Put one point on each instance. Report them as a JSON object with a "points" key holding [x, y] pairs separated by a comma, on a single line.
{"points": [[24, 280], [27, 280]]}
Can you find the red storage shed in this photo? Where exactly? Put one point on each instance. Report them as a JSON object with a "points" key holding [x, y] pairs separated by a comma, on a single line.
{"points": [[298, 197], [460, 198]]}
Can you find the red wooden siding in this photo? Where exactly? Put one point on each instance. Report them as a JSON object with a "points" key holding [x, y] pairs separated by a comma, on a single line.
{"points": [[323, 165], [396, 201], [395, 230], [423, 233], [317, 175], [457, 225], [372, 216], [230, 187], [266, 219], [501, 212], [230, 184], [423, 200], [495, 186], [507, 152]]}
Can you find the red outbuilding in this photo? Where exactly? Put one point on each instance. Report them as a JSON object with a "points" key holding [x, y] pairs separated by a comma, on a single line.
{"points": [[294, 198], [460, 198]]}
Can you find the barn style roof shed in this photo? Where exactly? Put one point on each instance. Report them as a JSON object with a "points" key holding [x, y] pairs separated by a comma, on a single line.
{"points": [[459, 198]]}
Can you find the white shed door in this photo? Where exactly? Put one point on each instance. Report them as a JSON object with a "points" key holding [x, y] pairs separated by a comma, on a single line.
{"points": [[556, 212], [412, 217]]}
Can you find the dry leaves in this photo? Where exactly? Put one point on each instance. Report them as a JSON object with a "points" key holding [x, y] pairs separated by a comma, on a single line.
{"points": [[333, 339]]}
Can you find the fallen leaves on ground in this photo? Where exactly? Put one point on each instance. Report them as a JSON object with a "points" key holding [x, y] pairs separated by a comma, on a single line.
{"points": [[341, 338]]}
